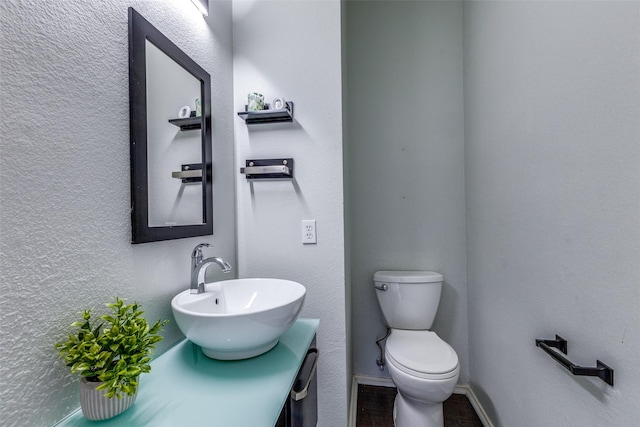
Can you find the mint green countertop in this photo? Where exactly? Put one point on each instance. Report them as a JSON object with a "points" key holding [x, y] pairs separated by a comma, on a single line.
{"points": [[186, 388]]}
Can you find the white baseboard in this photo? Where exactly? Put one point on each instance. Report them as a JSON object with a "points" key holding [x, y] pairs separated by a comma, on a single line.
{"points": [[386, 382], [363, 379], [379, 381], [468, 391]]}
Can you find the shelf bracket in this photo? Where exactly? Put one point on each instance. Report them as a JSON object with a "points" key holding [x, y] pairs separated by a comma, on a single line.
{"points": [[189, 173], [268, 169]]}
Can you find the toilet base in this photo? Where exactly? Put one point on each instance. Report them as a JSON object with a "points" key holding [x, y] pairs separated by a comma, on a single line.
{"points": [[409, 413]]}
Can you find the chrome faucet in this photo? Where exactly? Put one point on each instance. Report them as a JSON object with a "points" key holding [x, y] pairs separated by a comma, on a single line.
{"points": [[199, 268]]}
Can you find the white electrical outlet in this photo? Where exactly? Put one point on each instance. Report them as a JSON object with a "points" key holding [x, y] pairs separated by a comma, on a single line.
{"points": [[309, 231]]}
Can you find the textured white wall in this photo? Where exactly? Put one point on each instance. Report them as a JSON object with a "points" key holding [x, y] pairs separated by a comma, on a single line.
{"points": [[64, 189], [293, 49], [552, 97], [406, 160]]}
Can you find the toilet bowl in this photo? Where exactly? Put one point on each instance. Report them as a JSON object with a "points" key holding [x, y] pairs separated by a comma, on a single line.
{"points": [[424, 368]]}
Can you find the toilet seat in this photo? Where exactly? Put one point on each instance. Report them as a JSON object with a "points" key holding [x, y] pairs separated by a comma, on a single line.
{"points": [[422, 354]]}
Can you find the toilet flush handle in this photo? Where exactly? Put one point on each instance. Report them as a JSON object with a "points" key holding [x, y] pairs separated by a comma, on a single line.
{"points": [[382, 287]]}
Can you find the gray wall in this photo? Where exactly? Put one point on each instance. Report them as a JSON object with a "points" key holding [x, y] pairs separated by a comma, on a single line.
{"points": [[406, 161], [552, 107], [64, 170], [293, 49]]}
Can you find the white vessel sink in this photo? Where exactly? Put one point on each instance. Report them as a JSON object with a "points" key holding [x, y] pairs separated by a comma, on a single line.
{"points": [[239, 318]]}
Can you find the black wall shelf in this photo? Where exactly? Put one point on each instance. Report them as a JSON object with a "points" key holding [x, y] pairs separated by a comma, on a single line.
{"points": [[268, 116], [188, 123], [268, 169], [189, 173]]}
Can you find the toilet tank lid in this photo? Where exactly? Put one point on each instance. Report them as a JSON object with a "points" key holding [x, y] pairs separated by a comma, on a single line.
{"points": [[407, 276]]}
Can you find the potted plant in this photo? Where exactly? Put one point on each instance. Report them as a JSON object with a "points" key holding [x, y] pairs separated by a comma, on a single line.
{"points": [[110, 352]]}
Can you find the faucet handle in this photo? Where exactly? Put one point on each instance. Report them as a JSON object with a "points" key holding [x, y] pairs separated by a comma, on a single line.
{"points": [[197, 251]]}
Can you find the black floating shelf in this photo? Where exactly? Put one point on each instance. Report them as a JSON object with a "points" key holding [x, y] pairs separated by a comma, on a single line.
{"points": [[268, 116], [188, 123], [268, 169]]}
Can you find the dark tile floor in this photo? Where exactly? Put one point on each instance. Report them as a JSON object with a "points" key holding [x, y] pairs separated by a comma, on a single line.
{"points": [[375, 408]]}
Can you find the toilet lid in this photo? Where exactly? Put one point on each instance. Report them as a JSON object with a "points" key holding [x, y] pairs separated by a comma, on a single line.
{"points": [[422, 352]]}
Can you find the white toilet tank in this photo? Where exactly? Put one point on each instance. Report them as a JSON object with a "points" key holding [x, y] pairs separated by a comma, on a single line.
{"points": [[408, 299]]}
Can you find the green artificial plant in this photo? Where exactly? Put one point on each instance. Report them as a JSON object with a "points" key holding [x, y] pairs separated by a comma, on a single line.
{"points": [[113, 349]]}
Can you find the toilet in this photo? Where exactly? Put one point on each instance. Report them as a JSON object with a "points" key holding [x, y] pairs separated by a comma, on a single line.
{"points": [[424, 368]]}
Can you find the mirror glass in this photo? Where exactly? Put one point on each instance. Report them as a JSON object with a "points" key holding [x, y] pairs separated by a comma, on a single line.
{"points": [[170, 87], [171, 179]]}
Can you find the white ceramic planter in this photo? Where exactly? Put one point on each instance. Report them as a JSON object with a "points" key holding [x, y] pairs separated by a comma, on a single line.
{"points": [[95, 406]]}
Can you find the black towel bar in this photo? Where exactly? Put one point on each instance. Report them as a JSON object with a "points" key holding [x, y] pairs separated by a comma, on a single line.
{"points": [[602, 371]]}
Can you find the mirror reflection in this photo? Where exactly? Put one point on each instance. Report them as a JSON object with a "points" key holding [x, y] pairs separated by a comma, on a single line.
{"points": [[170, 88]]}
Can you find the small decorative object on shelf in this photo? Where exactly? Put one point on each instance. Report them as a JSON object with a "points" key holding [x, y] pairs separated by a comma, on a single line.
{"points": [[110, 353], [255, 102], [184, 112], [278, 103], [268, 115]]}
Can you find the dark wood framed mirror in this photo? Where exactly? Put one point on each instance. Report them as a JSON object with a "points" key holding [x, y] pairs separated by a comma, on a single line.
{"points": [[170, 130]]}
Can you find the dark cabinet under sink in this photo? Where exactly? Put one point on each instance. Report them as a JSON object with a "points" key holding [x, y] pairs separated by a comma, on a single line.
{"points": [[301, 407]]}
